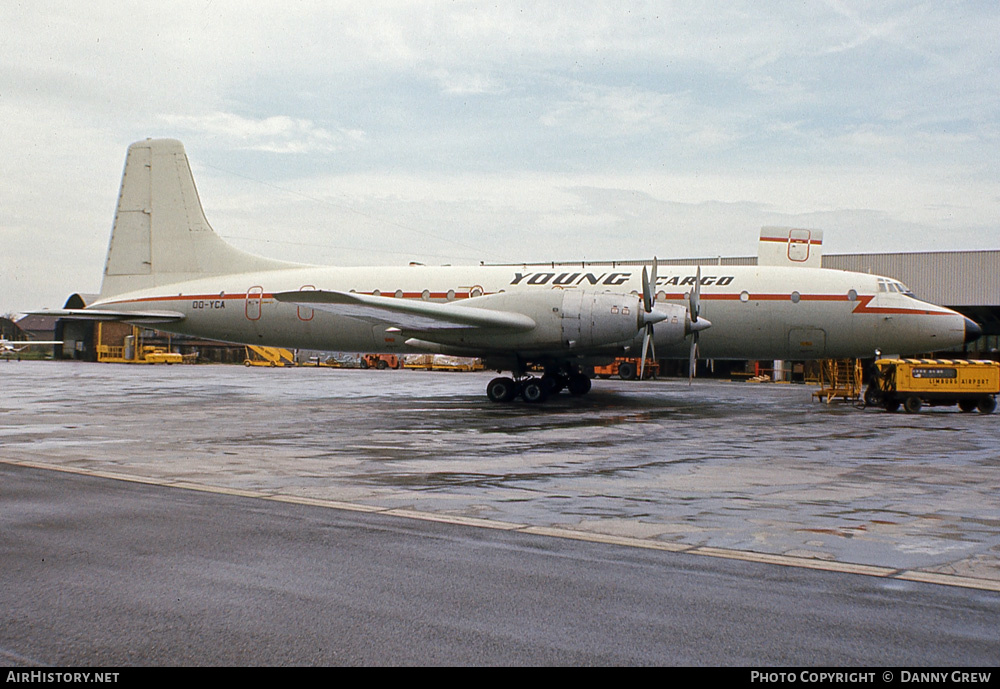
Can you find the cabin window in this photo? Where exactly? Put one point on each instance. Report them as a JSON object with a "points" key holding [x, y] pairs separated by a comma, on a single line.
{"points": [[744, 296], [796, 297], [852, 295], [425, 295]]}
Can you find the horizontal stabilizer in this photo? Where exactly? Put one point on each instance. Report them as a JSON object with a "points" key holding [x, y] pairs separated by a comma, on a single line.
{"points": [[409, 314], [140, 317]]}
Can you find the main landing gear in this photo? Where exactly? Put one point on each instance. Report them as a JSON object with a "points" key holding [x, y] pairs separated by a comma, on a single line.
{"points": [[537, 390]]}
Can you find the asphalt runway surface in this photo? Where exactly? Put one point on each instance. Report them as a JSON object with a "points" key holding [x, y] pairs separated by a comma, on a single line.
{"points": [[692, 490]]}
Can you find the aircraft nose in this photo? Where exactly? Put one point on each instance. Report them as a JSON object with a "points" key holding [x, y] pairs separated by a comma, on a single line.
{"points": [[972, 330]]}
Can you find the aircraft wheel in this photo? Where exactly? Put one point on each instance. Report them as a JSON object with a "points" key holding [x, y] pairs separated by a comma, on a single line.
{"points": [[912, 404], [555, 382], [968, 405], [986, 404], [534, 391], [579, 385], [626, 371], [501, 390]]}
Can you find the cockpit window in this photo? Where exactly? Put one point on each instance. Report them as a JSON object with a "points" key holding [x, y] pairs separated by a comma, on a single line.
{"points": [[885, 285]]}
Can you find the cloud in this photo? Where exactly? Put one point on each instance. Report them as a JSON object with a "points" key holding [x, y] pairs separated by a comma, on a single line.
{"points": [[275, 134], [521, 130], [468, 83]]}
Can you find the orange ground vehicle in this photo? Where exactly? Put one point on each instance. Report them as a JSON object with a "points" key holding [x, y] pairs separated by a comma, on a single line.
{"points": [[380, 361], [627, 368]]}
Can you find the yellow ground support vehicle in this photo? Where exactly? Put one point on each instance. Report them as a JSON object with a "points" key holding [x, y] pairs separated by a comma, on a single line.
{"points": [[268, 356], [915, 382], [158, 355]]}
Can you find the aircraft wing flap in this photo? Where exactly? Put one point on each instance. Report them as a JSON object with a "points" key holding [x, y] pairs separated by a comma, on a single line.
{"points": [[408, 314], [141, 317]]}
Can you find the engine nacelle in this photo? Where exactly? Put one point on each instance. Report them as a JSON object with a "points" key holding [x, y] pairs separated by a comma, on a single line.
{"points": [[595, 319]]}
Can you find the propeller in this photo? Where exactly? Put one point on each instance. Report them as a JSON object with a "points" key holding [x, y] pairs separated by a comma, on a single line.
{"points": [[648, 301], [697, 324]]}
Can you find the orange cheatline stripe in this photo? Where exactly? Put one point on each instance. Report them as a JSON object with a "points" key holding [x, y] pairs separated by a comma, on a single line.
{"points": [[862, 306], [787, 240]]}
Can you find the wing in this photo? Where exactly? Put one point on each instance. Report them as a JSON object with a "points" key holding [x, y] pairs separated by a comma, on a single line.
{"points": [[141, 317], [409, 314]]}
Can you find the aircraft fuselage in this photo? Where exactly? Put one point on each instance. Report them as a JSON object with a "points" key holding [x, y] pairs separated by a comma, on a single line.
{"points": [[757, 313]]}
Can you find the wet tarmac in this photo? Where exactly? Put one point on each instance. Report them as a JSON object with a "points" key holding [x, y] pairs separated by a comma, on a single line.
{"points": [[737, 466]]}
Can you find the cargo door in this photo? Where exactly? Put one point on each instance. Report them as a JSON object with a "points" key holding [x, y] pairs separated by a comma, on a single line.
{"points": [[306, 313], [806, 343], [573, 326], [254, 297]]}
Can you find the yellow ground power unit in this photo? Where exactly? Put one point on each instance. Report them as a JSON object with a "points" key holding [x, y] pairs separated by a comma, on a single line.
{"points": [[913, 383]]}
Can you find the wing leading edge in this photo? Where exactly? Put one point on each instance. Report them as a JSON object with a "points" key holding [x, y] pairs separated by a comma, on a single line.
{"points": [[408, 314], [139, 317]]}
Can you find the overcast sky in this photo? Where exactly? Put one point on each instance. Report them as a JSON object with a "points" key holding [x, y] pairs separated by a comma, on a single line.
{"points": [[375, 133]]}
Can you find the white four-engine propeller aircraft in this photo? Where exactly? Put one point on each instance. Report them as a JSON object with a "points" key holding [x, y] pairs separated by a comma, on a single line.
{"points": [[167, 267]]}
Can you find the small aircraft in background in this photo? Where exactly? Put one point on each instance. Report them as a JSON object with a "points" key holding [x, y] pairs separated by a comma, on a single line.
{"points": [[166, 267], [10, 347]]}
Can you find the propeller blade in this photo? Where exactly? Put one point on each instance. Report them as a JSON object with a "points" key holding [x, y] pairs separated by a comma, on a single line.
{"points": [[694, 299], [652, 349], [693, 360], [652, 284], [647, 337], [647, 299]]}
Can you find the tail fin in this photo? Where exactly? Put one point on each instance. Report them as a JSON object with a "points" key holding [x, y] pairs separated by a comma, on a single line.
{"points": [[160, 233], [789, 246]]}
